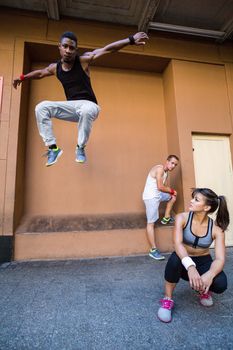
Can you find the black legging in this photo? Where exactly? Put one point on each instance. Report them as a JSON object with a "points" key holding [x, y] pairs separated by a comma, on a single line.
{"points": [[175, 270]]}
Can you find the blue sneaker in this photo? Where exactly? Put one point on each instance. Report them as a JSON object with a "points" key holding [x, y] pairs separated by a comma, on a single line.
{"points": [[155, 254], [80, 155], [53, 155]]}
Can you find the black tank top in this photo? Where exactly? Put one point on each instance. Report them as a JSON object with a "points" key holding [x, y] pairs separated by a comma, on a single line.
{"points": [[76, 82], [194, 241]]}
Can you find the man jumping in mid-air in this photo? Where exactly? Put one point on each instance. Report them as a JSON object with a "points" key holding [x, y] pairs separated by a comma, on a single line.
{"points": [[81, 106]]}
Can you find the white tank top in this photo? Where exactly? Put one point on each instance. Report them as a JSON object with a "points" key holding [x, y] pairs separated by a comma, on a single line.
{"points": [[151, 188]]}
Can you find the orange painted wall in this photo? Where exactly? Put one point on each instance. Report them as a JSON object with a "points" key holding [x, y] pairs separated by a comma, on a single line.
{"points": [[144, 116], [172, 132], [127, 138], [202, 106]]}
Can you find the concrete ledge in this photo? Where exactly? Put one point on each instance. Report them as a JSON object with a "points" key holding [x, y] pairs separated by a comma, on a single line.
{"points": [[88, 244]]}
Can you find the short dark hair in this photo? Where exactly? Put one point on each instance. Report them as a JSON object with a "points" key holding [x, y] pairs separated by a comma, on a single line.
{"points": [[172, 156], [69, 35]]}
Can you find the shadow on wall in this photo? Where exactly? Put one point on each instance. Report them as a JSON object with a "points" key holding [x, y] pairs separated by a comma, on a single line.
{"points": [[74, 223]]}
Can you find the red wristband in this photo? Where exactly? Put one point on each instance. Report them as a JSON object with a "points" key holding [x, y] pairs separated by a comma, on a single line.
{"points": [[21, 77], [172, 191]]}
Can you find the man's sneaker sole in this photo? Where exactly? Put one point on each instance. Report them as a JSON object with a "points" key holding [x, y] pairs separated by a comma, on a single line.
{"points": [[153, 257], [170, 222], [55, 161], [164, 223], [80, 161]]}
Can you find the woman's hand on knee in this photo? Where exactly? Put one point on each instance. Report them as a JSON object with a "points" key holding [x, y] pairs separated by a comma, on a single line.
{"points": [[207, 280], [195, 280]]}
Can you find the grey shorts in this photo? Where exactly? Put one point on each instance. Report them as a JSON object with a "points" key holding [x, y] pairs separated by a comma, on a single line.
{"points": [[152, 206]]}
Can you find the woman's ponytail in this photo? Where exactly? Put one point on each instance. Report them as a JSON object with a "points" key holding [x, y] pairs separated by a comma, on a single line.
{"points": [[216, 203], [222, 218]]}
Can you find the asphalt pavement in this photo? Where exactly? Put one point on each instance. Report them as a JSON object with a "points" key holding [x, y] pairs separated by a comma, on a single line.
{"points": [[107, 303]]}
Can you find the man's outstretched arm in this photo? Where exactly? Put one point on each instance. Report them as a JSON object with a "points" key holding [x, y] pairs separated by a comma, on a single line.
{"points": [[36, 74], [139, 38]]}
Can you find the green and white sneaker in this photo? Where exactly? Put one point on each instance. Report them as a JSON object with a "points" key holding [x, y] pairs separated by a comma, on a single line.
{"points": [[155, 254], [166, 221]]}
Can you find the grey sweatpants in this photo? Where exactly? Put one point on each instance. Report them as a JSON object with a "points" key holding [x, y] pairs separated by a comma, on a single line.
{"points": [[83, 112]]}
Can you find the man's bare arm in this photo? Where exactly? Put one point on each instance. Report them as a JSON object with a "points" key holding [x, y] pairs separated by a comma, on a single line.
{"points": [[139, 38], [36, 74], [159, 179]]}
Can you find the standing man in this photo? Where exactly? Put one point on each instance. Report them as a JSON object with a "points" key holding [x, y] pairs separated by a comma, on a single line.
{"points": [[155, 192], [81, 106]]}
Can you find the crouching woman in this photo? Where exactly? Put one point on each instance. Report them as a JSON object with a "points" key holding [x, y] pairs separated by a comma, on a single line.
{"points": [[194, 232]]}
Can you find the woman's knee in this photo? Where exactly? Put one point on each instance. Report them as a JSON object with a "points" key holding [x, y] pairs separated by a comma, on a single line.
{"points": [[174, 260], [219, 284], [173, 269]]}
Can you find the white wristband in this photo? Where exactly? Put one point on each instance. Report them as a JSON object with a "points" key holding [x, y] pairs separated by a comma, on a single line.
{"points": [[187, 262]]}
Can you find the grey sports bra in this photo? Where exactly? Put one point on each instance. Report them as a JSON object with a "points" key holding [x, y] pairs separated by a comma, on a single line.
{"points": [[194, 241]]}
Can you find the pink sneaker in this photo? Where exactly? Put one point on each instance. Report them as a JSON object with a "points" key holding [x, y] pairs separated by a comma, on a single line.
{"points": [[206, 299], [164, 312]]}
